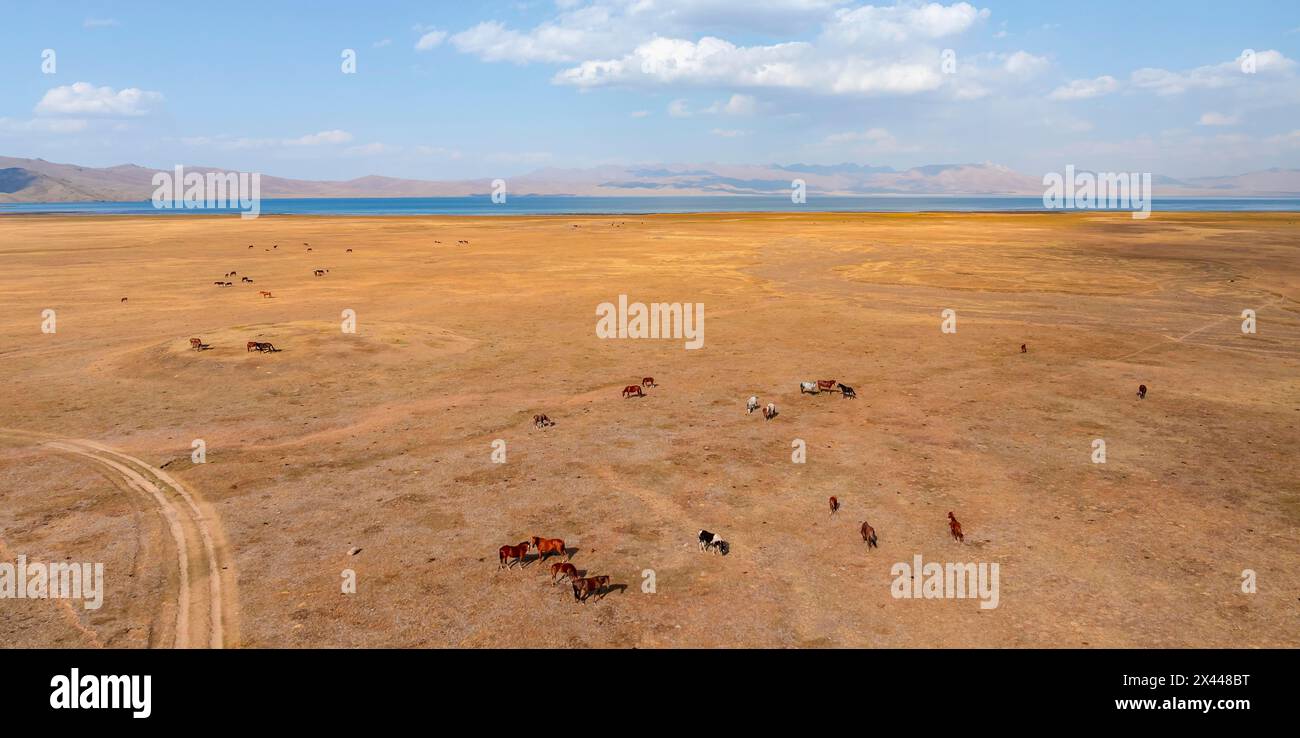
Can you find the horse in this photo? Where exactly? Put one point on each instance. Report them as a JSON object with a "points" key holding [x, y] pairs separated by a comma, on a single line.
{"points": [[252, 346], [1024, 349], [544, 546], [808, 387], [512, 554], [752, 404], [196, 344], [585, 587], [541, 421], [769, 412], [264, 293], [835, 504], [847, 392], [1142, 391], [633, 390], [563, 569], [648, 382], [954, 527], [825, 385], [868, 535]]}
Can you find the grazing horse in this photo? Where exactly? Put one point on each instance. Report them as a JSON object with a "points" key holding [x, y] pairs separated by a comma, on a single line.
{"points": [[752, 404], [544, 546], [868, 535], [349, 251], [825, 385], [769, 412], [250, 245], [835, 504], [1024, 348], [847, 392], [954, 527], [196, 343], [260, 346], [585, 587], [713, 541], [264, 293], [123, 299], [809, 387], [633, 390], [252, 346], [1142, 391], [319, 272], [648, 382], [249, 280], [563, 569], [512, 554], [541, 421]]}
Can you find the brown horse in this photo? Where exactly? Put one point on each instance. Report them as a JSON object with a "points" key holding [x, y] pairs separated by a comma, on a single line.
{"points": [[512, 554], [632, 390], [648, 381], [584, 588], [1142, 391], [868, 535], [196, 344], [835, 504], [545, 546], [954, 527], [563, 569], [252, 346], [1024, 349], [541, 421]]}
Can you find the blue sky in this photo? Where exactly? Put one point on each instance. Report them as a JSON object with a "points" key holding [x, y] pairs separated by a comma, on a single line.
{"points": [[499, 89]]}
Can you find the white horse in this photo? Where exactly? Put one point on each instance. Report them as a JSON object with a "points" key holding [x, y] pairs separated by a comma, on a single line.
{"points": [[752, 405], [809, 387]]}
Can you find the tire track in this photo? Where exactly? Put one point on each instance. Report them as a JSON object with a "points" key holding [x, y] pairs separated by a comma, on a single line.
{"points": [[206, 606]]}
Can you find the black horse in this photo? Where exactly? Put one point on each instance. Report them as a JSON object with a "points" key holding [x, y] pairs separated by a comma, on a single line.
{"points": [[847, 391]]}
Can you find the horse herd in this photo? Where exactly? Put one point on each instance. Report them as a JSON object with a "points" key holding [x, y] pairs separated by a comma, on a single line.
{"points": [[583, 587]]}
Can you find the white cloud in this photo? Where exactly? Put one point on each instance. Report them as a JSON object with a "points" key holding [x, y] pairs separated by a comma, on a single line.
{"points": [[1082, 89], [100, 23], [430, 40], [901, 23], [320, 139], [228, 142], [868, 141], [1214, 76], [83, 98], [1025, 64], [735, 105], [679, 109], [1217, 119], [860, 50]]}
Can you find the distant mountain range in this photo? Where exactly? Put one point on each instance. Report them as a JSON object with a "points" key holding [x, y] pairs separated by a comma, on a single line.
{"points": [[37, 180]]}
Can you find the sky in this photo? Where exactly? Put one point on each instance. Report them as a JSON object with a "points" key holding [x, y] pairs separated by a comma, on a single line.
{"points": [[455, 90]]}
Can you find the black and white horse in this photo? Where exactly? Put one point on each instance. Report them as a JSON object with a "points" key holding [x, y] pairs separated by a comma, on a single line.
{"points": [[713, 541]]}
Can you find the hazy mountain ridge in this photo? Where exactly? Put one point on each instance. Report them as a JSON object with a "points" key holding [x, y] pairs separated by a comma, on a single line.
{"points": [[37, 180]]}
